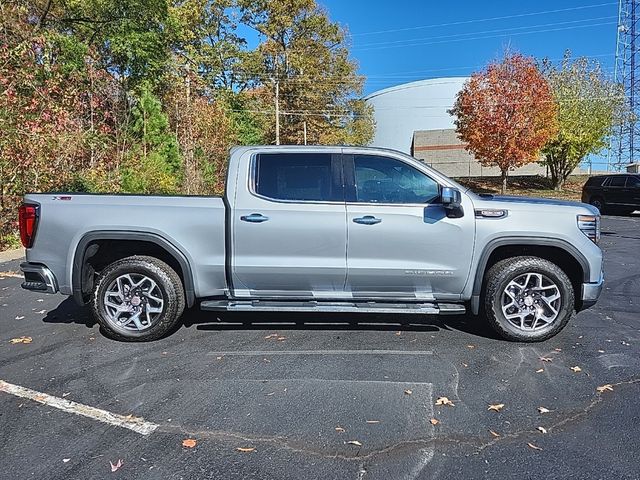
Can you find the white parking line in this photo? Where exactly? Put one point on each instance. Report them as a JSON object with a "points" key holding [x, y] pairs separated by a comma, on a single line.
{"points": [[250, 353], [137, 424]]}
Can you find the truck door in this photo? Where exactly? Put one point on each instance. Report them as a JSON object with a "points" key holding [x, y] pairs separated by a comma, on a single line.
{"points": [[400, 241], [289, 226]]}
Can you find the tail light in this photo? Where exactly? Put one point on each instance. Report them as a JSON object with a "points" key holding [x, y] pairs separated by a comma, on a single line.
{"points": [[28, 216]]}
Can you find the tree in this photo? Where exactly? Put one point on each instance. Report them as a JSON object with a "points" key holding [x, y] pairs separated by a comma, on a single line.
{"points": [[303, 62], [505, 114], [588, 107]]}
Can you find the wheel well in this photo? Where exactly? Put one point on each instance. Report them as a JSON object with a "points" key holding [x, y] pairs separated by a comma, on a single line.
{"points": [[100, 253], [557, 255]]}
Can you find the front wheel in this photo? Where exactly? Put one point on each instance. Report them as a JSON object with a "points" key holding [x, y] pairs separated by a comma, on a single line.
{"points": [[138, 299], [528, 299]]}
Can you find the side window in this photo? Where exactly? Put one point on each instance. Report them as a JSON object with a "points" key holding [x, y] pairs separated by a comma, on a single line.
{"points": [[633, 182], [386, 180], [295, 176], [617, 181]]}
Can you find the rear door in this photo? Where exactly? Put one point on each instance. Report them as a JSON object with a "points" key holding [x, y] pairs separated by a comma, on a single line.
{"points": [[633, 190], [401, 244], [614, 190], [289, 226]]}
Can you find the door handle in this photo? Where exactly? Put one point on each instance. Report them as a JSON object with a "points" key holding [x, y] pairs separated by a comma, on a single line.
{"points": [[367, 220], [254, 218]]}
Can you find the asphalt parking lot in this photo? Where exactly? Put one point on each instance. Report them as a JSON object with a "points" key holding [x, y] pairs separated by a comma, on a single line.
{"points": [[284, 396]]}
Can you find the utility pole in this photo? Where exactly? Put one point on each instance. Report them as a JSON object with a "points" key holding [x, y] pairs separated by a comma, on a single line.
{"points": [[277, 102]]}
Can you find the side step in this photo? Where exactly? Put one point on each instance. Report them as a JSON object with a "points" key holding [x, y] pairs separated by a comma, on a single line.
{"points": [[328, 306]]}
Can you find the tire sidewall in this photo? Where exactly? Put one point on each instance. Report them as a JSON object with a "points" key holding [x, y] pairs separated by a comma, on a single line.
{"points": [[551, 271], [137, 266]]}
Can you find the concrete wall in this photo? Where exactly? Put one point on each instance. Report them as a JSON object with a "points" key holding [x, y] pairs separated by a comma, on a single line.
{"points": [[443, 150]]}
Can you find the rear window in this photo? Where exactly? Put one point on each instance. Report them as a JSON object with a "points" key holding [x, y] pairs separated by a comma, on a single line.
{"points": [[595, 181], [295, 177]]}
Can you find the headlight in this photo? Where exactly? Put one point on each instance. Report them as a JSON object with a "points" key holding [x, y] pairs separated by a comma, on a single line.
{"points": [[590, 226]]}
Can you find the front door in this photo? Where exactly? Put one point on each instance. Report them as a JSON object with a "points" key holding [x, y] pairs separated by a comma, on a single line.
{"points": [[289, 227], [401, 244]]}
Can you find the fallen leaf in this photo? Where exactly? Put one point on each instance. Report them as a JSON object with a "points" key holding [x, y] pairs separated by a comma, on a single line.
{"points": [[21, 340], [218, 358], [471, 346], [40, 300], [576, 369], [605, 388], [269, 394], [434, 421], [600, 351], [408, 392], [543, 410], [245, 449], [542, 429], [535, 447], [280, 339], [465, 365], [116, 466], [444, 401], [398, 334], [540, 370], [495, 434], [273, 335], [189, 443], [373, 421], [546, 359], [354, 442], [65, 460], [558, 349], [266, 360], [41, 312], [340, 430], [66, 394], [496, 407]]}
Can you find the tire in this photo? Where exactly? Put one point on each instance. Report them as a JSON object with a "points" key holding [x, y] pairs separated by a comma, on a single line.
{"points": [[598, 202], [160, 299], [506, 286]]}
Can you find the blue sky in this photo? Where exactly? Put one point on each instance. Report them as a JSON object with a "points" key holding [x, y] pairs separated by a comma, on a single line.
{"points": [[412, 43]]}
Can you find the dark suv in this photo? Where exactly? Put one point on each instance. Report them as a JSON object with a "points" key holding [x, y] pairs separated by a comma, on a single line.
{"points": [[619, 193]]}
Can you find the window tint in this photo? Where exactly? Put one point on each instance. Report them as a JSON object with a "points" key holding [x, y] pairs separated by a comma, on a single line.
{"points": [[595, 181], [633, 181], [617, 181], [386, 180], [295, 176]]}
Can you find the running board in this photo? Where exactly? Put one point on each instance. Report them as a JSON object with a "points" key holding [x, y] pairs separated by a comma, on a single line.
{"points": [[328, 306]]}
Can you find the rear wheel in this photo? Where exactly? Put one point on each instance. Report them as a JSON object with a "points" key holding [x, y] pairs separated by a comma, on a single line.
{"points": [[528, 299], [138, 299], [598, 202]]}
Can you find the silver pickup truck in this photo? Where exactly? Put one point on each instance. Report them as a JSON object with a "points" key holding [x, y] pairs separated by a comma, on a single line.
{"points": [[317, 229]]}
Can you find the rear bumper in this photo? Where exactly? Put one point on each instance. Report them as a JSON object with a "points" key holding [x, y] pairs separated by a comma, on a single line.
{"points": [[591, 292], [38, 278]]}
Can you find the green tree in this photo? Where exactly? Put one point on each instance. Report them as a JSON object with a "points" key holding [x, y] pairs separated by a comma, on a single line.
{"points": [[154, 164], [309, 83], [588, 106]]}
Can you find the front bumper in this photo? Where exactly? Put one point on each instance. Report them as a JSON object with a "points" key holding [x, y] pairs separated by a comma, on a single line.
{"points": [[591, 292], [38, 278]]}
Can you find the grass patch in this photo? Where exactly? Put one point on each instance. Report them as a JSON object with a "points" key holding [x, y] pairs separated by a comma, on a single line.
{"points": [[529, 186]]}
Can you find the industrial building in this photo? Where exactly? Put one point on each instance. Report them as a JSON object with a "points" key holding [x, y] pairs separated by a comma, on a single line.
{"points": [[413, 118]]}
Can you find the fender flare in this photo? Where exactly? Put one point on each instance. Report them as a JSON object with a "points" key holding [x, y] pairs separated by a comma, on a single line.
{"points": [[491, 246], [80, 257]]}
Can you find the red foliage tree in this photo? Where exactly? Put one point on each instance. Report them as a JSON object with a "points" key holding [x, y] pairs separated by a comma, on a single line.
{"points": [[506, 114]]}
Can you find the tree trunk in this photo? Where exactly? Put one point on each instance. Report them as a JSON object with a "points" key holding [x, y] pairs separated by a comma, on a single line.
{"points": [[504, 181]]}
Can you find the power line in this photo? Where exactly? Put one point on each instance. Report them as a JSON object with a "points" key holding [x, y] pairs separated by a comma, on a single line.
{"points": [[486, 31], [490, 36], [466, 22]]}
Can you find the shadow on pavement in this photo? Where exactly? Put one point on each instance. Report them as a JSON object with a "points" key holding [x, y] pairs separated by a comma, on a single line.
{"points": [[69, 312]]}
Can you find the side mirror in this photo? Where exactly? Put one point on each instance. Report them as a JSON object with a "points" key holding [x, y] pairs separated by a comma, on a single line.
{"points": [[451, 201]]}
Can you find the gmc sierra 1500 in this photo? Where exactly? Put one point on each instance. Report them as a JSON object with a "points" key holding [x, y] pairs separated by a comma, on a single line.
{"points": [[317, 229]]}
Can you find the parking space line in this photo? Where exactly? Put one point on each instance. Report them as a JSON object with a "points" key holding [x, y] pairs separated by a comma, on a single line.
{"points": [[137, 424], [250, 353]]}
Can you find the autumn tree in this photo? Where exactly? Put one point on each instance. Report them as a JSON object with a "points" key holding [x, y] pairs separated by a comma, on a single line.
{"points": [[506, 113], [303, 62], [588, 107]]}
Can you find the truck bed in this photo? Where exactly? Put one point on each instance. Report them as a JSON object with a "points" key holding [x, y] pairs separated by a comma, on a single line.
{"points": [[193, 225]]}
